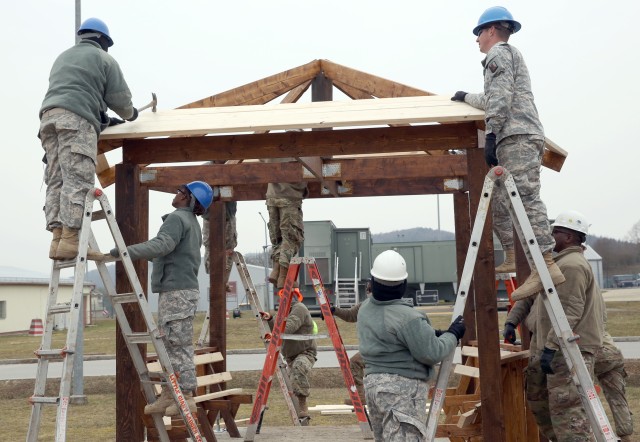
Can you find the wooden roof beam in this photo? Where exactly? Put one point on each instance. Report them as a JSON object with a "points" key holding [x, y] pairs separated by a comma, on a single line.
{"points": [[418, 166], [302, 144], [261, 91], [372, 84]]}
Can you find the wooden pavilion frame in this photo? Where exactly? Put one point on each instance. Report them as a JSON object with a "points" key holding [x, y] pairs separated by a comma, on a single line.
{"points": [[391, 139]]}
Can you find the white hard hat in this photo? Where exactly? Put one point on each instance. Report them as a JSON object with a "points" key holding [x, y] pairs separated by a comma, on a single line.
{"points": [[573, 220], [389, 266]]}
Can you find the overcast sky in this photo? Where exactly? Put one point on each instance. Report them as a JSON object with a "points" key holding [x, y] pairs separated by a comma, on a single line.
{"points": [[582, 56]]}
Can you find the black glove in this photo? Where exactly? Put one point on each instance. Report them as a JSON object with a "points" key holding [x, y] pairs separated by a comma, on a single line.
{"points": [[113, 121], [438, 333], [332, 308], [490, 150], [114, 252], [459, 96], [134, 116], [509, 333], [545, 360], [457, 328]]}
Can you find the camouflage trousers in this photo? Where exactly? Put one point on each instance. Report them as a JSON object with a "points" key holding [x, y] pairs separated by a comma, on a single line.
{"points": [[286, 231], [397, 407], [230, 243], [70, 144], [522, 156], [555, 402], [609, 369], [176, 310], [356, 363], [299, 369]]}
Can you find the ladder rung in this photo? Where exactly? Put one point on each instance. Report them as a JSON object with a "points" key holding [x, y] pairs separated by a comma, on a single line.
{"points": [[139, 338], [124, 298], [58, 353], [98, 215], [64, 264], [60, 308], [47, 400]]}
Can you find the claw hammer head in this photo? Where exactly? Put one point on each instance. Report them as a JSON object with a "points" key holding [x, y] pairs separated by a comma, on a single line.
{"points": [[151, 105]]}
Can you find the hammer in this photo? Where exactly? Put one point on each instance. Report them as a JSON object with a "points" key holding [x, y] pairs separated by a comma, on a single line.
{"points": [[151, 105]]}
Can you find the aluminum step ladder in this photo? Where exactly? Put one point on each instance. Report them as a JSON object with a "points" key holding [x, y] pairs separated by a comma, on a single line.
{"points": [[66, 354], [346, 289], [275, 344], [600, 425]]}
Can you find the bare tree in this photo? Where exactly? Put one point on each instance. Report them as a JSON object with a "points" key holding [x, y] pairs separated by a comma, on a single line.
{"points": [[634, 234]]}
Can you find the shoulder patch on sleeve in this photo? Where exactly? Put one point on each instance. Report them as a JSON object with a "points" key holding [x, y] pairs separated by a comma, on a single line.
{"points": [[493, 67]]}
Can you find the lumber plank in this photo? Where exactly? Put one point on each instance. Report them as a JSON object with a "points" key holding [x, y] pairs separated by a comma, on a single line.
{"points": [[464, 370], [217, 394], [326, 114], [215, 378]]}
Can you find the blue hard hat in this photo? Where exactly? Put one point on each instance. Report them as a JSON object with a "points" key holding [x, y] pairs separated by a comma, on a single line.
{"points": [[202, 191], [496, 14], [95, 25]]}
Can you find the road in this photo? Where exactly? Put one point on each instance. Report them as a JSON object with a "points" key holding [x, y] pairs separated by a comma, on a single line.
{"points": [[255, 361]]}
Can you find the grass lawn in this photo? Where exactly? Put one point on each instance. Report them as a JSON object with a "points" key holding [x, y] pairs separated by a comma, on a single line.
{"points": [[98, 416]]}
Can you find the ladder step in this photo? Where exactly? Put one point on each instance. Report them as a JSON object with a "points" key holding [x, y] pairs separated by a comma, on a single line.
{"points": [[60, 308], [47, 400], [56, 353], [139, 338], [98, 215], [123, 298], [64, 264]]}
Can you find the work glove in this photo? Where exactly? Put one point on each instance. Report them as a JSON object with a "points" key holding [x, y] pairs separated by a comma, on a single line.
{"points": [[490, 150], [459, 96], [331, 307], [545, 360], [438, 333], [134, 116], [457, 328], [113, 121], [509, 333], [206, 266], [114, 252]]}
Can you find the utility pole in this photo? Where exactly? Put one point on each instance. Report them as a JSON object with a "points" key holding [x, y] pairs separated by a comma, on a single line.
{"points": [[266, 265]]}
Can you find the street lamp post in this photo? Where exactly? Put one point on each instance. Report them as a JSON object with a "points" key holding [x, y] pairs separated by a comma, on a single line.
{"points": [[266, 264]]}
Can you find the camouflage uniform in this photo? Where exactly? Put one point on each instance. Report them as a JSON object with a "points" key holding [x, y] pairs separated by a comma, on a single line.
{"points": [[397, 407], [84, 82], [511, 114], [286, 228], [554, 398], [300, 355], [230, 237], [176, 310], [609, 369], [175, 252]]}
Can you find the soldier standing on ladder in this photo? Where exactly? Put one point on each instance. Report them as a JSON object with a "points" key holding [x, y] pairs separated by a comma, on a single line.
{"points": [[607, 360], [286, 227], [514, 139], [175, 253], [84, 81]]}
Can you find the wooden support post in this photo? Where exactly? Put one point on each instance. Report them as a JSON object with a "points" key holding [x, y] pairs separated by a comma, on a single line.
{"points": [[132, 214], [462, 219], [217, 291]]}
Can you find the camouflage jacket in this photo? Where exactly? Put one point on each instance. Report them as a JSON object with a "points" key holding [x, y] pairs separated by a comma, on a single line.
{"points": [[507, 99]]}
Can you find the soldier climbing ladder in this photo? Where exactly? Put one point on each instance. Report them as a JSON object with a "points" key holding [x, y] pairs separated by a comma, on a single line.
{"points": [[568, 341], [152, 335]]}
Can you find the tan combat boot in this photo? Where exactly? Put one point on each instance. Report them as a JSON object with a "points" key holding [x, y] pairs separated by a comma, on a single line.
{"points": [[363, 399], [304, 408], [509, 263], [68, 246], [173, 410], [160, 405], [282, 276], [533, 284], [275, 272], [53, 248]]}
